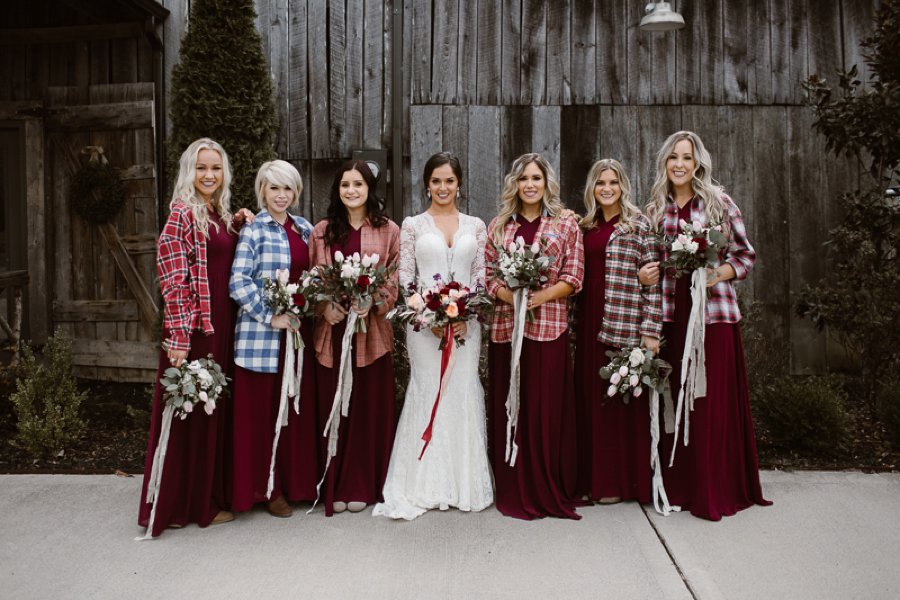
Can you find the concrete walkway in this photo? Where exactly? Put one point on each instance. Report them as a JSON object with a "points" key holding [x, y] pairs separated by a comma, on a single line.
{"points": [[829, 535]]}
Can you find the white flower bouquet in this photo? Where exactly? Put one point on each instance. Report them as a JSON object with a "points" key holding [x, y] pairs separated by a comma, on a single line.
{"points": [[523, 267], [350, 279], [696, 247], [630, 369]]}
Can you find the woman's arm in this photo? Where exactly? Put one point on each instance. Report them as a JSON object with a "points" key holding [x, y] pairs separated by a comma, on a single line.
{"points": [[244, 271], [173, 268]]}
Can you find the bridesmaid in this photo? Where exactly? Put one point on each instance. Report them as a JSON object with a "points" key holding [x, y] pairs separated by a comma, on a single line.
{"points": [[614, 311], [193, 260], [542, 482], [356, 223], [717, 473], [276, 240]]}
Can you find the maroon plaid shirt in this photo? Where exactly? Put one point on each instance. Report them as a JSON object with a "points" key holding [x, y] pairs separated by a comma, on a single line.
{"points": [[563, 238], [181, 266], [631, 309], [721, 304]]}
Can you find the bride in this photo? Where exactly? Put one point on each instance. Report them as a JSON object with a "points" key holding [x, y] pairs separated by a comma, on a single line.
{"points": [[454, 470]]}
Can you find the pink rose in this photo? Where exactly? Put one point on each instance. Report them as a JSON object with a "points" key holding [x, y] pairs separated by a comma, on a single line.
{"points": [[637, 392], [188, 406], [611, 391], [616, 378], [452, 310]]}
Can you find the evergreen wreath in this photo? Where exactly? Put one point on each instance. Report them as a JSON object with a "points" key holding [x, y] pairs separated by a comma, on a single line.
{"points": [[97, 192]]}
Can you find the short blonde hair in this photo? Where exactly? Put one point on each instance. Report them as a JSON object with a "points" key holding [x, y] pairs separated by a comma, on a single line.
{"points": [[280, 173]]}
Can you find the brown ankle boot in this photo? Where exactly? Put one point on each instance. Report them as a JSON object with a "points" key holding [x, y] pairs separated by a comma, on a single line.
{"points": [[279, 508]]}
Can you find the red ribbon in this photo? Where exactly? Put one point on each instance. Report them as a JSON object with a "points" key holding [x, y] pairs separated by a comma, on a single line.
{"points": [[446, 352]]}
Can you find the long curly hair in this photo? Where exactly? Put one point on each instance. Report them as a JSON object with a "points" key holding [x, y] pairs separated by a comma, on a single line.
{"points": [[629, 210], [511, 204], [702, 182], [184, 190], [338, 227]]}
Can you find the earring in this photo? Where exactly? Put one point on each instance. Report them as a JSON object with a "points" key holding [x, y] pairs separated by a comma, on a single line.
{"points": [[428, 194]]}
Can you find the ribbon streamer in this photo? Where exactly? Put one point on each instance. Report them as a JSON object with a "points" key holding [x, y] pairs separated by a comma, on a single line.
{"points": [[520, 313], [156, 470], [693, 362], [660, 499], [341, 405], [290, 388], [448, 360]]}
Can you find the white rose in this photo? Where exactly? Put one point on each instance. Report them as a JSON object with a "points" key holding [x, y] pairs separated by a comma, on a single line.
{"points": [[692, 246], [636, 357], [535, 248], [291, 288], [697, 225], [338, 256], [367, 261], [375, 258], [512, 247], [282, 275], [677, 245], [356, 258], [218, 389], [633, 380], [203, 396]]}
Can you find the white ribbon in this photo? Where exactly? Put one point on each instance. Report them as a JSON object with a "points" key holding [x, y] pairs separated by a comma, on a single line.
{"points": [[693, 362], [290, 388], [520, 312], [156, 470], [341, 405], [660, 499]]}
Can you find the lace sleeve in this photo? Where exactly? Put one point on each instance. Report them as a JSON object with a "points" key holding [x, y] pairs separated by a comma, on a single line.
{"points": [[407, 269], [478, 268]]}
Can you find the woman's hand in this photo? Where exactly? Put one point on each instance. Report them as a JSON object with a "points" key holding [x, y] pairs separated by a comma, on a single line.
{"points": [[537, 298], [460, 329], [334, 313], [649, 273], [438, 332], [176, 357], [650, 343], [721, 273], [243, 216], [505, 294], [361, 311], [286, 322]]}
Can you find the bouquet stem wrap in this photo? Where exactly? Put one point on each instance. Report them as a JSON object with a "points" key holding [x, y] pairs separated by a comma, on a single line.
{"points": [[520, 312], [290, 388], [341, 405], [448, 361], [693, 362], [156, 470]]}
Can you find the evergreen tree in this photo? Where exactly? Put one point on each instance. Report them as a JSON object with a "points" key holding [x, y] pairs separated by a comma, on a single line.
{"points": [[222, 89]]}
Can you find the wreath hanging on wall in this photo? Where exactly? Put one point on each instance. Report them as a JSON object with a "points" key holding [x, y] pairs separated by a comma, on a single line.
{"points": [[97, 192]]}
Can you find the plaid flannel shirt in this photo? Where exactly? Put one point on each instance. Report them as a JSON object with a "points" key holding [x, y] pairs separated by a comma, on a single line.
{"points": [[183, 283], [262, 248], [564, 243], [721, 304], [379, 338], [631, 309]]}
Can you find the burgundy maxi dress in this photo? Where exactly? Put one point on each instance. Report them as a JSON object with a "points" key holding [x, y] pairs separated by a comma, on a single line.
{"points": [[256, 410], [717, 473], [366, 436], [542, 483], [613, 437], [193, 487]]}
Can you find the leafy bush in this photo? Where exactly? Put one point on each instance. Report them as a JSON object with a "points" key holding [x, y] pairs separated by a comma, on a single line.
{"points": [[47, 401], [887, 403], [807, 415]]}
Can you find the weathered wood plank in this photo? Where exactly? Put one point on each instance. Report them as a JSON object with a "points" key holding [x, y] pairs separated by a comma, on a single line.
{"points": [[139, 243], [95, 310], [117, 374], [736, 56], [319, 104], [825, 56], [298, 101], [467, 44], [780, 41], [583, 50], [510, 52], [515, 134], [455, 137], [490, 35], [545, 127], [800, 45], [337, 76], [580, 135], [353, 113], [559, 58], [71, 33], [374, 77], [654, 125], [426, 131], [36, 250], [444, 56], [700, 79], [421, 30], [533, 87], [617, 38], [759, 31], [387, 96], [273, 22], [106, 353], [858, 21], [618, 135], [125, 115], [484, 174]]}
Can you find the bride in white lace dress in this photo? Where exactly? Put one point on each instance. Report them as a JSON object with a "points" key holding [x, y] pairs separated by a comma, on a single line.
{"points": [[454, 470]]}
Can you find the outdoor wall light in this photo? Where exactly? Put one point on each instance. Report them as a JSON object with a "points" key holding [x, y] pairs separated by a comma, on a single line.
{"points": [[661, 17]]}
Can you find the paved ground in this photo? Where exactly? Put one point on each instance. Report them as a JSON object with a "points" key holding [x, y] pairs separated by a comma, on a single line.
{"points": [[829, 535]]}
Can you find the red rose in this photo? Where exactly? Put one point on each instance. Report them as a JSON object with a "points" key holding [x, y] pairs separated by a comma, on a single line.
{"points": [[445, 290], [461, 303], [701, 243], [299, 300], [362, 282], [453, 285], [434, 302]]}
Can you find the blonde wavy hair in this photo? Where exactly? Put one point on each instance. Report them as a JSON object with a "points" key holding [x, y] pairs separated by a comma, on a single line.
{"points": [[701, 182], [282, 174], [185, 191], [510, 203], [629, 210]]}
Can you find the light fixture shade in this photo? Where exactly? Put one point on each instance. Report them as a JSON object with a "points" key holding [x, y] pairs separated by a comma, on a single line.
{"points": [[661, 17]]}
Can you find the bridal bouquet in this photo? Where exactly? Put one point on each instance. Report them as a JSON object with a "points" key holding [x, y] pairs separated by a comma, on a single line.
{"points": [[523, 267], [696, 247], [286, 298], [195, 383], [440, 305], [630, 369], [348, 279]]}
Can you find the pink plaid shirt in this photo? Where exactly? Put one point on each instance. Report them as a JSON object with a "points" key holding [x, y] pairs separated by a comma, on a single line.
{"points": [[181, 266], [721, 304], [564, 243]]}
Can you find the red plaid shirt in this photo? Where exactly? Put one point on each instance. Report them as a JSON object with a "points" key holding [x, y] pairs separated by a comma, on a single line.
{"points": [[181, 266], [564, 243], [631, 309], [721, 304]]}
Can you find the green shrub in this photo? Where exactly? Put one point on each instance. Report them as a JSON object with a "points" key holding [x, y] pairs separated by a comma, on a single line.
{"points": [[47, 400], [887, 403], [806, 415]]}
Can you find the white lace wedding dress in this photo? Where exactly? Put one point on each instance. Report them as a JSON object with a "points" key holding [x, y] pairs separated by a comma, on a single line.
{"points": [[454, 470]]}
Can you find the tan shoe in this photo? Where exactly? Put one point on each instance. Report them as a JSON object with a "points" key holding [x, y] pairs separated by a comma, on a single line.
{"points": [[356, 507], [223, 516], [279, 508], [609, 500], [339, 506]]}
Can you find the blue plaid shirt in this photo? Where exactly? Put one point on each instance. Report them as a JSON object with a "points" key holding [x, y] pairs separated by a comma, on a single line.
{"points": [[262, 248]]}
